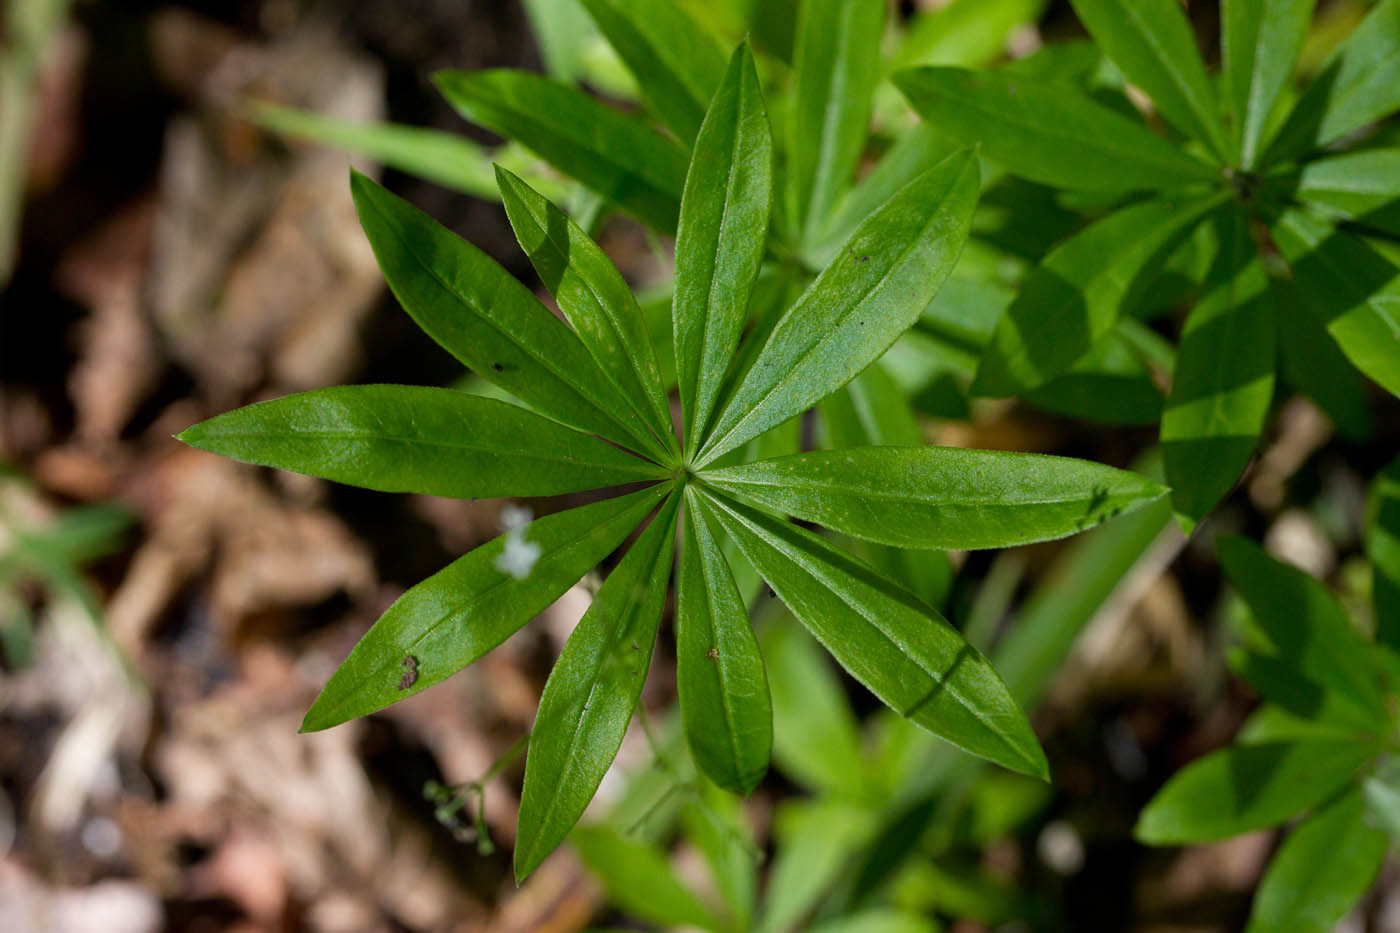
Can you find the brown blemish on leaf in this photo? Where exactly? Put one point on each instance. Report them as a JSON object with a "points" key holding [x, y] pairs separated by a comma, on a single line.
{"points": [[410, 672]]}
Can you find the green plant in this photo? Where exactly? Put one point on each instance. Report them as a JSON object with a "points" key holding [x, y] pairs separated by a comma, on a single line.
{"points": [[600, 419], [1322, 744], [1300, 210]]}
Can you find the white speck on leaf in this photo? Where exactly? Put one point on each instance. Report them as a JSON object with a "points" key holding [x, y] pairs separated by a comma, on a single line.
{"points": [[518, 557]]}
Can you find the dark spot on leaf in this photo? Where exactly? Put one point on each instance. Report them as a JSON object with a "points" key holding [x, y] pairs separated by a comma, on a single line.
{"points": [[498, 367], [863, 259], [410, 672], [712, 654]]}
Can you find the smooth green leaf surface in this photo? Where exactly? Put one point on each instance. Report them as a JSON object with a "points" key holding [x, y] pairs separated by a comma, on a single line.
{"points": [[968, 33], [1383, 805], [816, 739], [1273, 724], [1224, 377], [559, 28], [938, 497], [490, 322], [1151, 41], [1079, 292], [1243, 788], [1359, 84], [464, 610], [1322, 869], [1304, 624], [1260, 43], [591, 692], [1362, 187], [1048, 132], [639, 879], [593, 296], [415, 439], [1311, 361], [903, 652], [619, 157], [816, 840], [1281, 683], [676, 62], [719, 672], [1351, 288], [721, 238], [1383, 550], [871, 293], [836, 65]]}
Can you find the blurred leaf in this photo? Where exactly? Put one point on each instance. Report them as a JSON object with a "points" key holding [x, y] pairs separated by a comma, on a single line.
{"points": [[1048, 132], [967, 33], [558, 26], [463, 611], [1224, 378], [593, 297], [437, 442], [1260, 45], [886, 273], [1312, 362], [1274, 724], [591, 692], [639, 879], [1383, 550], [938, 497], [619, 157], [1243, 788], [1362, 187], [719, 671], [715, 825], [1383, 806], [1322, 869], [903, 652], [721, 238], [816, 838], [879, 920], [676, 62]]}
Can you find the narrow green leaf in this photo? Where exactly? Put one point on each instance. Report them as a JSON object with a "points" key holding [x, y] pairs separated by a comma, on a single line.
{"points": [[836, 65], [1360, 83], [676, 62], [904, 653], [490, 322], [639, 879], [1224, 377], [938, 497], [1078, 293], [1270, 724], [1351, 288], [816, 840], [1243, 788], [969, 33], [559, 28], [464, 610], [1319, 873], [1383, 805], [721, 238], [879, 920], [414, 439], [593, 296], [1362, 187], [1281, 683], [1048, 132], [619, 157], [1152, 42], [719, 672], [1304, 624], [1311, 361], [886, 273], [1260, 45], [589, 697], [1383, 550], [715, 823]]}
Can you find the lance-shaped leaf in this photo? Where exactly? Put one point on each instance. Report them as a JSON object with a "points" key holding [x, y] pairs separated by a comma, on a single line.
{"points": [[1383, 550], [1359, 84], [677, 63], [481, 315], [1243, 788], [1304, 624], [463, 611], [589, 697], [1311, 361], [1079, 292], [1151, 41], [1280, 683], [938, 497], [415, 439], [719, 672], [871, 293], [721, 237], [902, 651], [836, 66], [619, 157], [1323, 868], [1048, 132], [1351, 288], [1260, 45], [593, 296], [1224, 377], [639, 879], [1362, 187]]}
